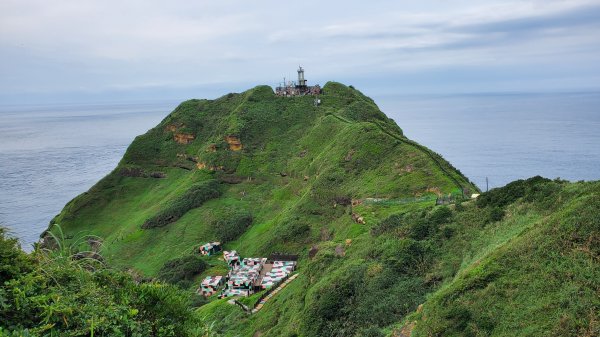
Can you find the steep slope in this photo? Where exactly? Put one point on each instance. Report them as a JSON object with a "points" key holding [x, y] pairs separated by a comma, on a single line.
{"points": [[291, 166], [536, 273], [523, 260], [341, 186]]}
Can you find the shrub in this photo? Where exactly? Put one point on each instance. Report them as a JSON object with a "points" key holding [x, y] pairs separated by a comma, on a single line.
{"points": [[327, 314], [496, 214], [53, 296], [458, 318], [404, 255], [448, 232], [232, 226], [293, 231], [370, 332], [388, 224], [327, 187], [13, 261], [422, 228], [181, 271], [415, 225], [510, 193], [194, 197], [440, 215]]}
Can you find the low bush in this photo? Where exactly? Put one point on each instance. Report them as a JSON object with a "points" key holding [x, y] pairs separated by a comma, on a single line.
{"points": [[50, 294], [370, 332], [357, 301], [194, 197], [496, 214], [13, 261], [232, 226], [388, 224], [440, 215], [418, 225], [327, 187], [181, 271], [500, 197], [293, 230]]}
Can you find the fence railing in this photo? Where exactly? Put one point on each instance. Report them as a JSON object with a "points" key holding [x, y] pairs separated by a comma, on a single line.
{"points": [[383, 201], [439, 200]]}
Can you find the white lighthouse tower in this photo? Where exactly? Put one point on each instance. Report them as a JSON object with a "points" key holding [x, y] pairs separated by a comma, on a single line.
{"points": [[301, 80]]}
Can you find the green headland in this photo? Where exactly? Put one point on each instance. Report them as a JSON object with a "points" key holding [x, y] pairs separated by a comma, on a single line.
{"points": [[389, 240]]}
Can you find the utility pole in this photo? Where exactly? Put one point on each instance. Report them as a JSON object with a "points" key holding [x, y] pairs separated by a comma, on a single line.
{"points": [[486, 184]]}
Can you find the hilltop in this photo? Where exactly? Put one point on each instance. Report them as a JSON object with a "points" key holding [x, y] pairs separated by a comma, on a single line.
{"points": [[292, 166], [339, 185]]}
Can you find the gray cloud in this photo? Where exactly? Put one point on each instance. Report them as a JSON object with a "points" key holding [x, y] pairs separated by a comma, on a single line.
{"points": [[585, 15], [92, 47]]}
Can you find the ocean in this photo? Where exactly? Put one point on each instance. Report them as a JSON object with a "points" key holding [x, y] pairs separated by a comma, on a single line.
{"points": [[50, 154], [505, 137]]}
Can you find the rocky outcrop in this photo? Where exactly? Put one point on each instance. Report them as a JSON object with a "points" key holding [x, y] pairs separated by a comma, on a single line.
{"points": [[183, 138], [172, 127], [435, 190], [358, 219], [235, 144], [204, 166]]}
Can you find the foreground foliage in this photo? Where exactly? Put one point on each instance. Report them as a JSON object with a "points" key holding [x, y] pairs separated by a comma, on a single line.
{"points": [[50, 293]]}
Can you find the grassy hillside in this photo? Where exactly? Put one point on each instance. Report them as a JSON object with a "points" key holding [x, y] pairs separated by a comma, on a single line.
{"points": [[523, 260], [293, 167], [270, 174], [536, 273]]}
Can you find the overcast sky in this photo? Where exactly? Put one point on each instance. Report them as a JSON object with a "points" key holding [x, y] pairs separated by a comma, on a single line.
{"points": [[77, 50]]}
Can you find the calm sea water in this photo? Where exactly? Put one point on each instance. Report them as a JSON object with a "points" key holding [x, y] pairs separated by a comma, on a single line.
{"points": [[507, 136], [48, 155]]}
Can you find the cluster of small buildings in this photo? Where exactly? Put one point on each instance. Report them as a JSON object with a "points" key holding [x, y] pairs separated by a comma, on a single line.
{"points": [[210, 285], [279, 271], [210, 248], [249, 275], [299, 88]]}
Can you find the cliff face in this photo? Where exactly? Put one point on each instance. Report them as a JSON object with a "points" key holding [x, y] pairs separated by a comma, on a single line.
{"points": [[337, 184]]}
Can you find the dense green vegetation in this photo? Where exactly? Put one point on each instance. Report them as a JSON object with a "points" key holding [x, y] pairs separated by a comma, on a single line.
{"points": [[232, 225], [543, 280], [341, 186], [54, 293], [182, 271], [533, 273], [194, 197]]}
